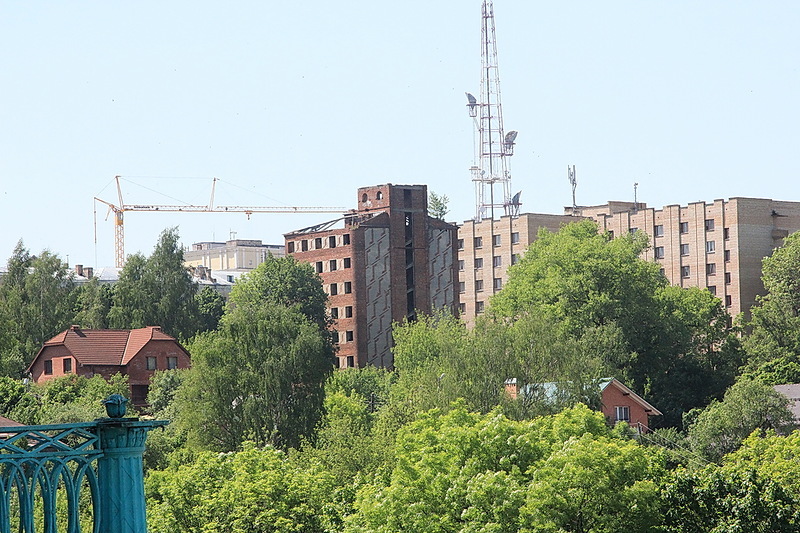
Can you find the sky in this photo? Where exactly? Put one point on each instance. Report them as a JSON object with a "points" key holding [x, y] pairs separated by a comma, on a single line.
{"points": [[301, 103]]}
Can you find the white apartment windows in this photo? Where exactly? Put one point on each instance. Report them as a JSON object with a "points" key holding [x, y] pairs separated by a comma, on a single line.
{"points": [[460, 244], [461, 264], [712, 289], [622, 413], [727, 278], [332, 265], [351, 361], [290, 247], [498, 283], [659, 251], [497, 261], [496, 240], [334, 289], [318, 267], [726, 233], [658, 230], [304, 245], [334, 313], [478, 285], [728, 301], [515, 238], [514, 259], [711, 269], [462, 287], [346, 238], [478, 308], [348, 287], [684, 227], [346, 262], [478, 242], [711, 247], [685, 271], [727, 255], [684, 249], [709, 224], [348, 336], [332, 241], [633, 230], [478, 262], [348, 311], [462, 308], [318, 243]]}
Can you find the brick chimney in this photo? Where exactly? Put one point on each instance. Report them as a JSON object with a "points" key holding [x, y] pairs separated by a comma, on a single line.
{"points": [[79, 270], [89, 272]]}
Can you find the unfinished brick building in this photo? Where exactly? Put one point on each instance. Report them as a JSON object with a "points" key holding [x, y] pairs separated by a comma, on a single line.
{"points": [[388, 262]]}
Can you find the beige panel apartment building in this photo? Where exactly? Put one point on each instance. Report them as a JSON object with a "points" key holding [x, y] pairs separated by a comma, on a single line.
{"points": [[717, 245], [236, 254]]}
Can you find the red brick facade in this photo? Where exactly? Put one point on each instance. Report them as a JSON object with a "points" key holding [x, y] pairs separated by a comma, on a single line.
{"points": [[137, 353], [389, 261]]}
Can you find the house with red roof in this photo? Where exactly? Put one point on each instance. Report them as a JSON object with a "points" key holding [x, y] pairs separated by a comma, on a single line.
{"points": [[137, 353]]}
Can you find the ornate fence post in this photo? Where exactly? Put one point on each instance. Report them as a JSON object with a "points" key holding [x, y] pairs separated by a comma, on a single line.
{"points": [[120, 474]]}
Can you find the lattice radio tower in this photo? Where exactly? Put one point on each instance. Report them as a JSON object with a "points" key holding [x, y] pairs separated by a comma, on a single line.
{"points": [[493, 147]]}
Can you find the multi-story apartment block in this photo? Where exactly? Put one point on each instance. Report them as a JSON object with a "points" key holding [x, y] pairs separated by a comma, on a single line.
{"points": [[718, 245], [389, 261]]}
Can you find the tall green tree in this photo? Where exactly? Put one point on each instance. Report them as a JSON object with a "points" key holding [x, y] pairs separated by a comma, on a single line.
{"points": [[773, 346], [283, 281], [36, 302], [259, 377], [438, 205], [157, 290], [93, 302], [748, 405]]}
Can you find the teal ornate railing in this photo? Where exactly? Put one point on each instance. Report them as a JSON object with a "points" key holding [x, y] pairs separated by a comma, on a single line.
{"points": [[55, 477]]}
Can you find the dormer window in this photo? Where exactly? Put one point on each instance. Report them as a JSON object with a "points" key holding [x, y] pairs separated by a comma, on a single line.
{"points": [[364, 197], [379, 196]]}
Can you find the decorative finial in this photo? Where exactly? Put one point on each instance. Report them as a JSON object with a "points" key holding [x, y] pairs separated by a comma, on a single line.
{"points": [[116, 405]]}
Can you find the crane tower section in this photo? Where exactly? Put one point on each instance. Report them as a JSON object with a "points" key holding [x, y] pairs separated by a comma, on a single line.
{"points": [[490, 170]]}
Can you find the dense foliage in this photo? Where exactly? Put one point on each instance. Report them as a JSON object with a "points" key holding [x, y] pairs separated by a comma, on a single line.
{"points": [[265, 437]]}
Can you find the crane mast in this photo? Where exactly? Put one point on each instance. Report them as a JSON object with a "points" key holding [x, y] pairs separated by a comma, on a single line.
{"points": [[120, 209], [490, 170]]}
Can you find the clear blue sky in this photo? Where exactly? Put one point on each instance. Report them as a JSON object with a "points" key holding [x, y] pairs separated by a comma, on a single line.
{"points": [[300, 103]]}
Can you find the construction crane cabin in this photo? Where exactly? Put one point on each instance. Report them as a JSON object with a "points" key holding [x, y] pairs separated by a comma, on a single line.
{"points": [[120, 209], [493, 146]]}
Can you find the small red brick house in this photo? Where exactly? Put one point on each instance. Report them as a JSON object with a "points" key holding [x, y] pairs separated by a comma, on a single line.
{"points": [[619, 403], [136, 353]]}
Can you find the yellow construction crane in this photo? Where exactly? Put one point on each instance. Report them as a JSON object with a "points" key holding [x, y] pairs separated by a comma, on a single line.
{"points": [[120, 209]]}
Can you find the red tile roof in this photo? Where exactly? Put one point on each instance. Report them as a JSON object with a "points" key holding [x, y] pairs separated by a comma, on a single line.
{"points": [[105, 346], [7, 422]]}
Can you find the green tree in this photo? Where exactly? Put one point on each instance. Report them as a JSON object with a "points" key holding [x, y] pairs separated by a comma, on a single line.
{"points": [[250, 491], [157, 290], [36, 302], [747, 406], [773, 345], [259, 377], [283, 281], [93, 303], [438, 205], [461, 471], [678, 338], [210, 306], [711, 500]]}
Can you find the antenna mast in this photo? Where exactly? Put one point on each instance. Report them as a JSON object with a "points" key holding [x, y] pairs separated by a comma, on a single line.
{"points": [[573, 180], [490, 169]]}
